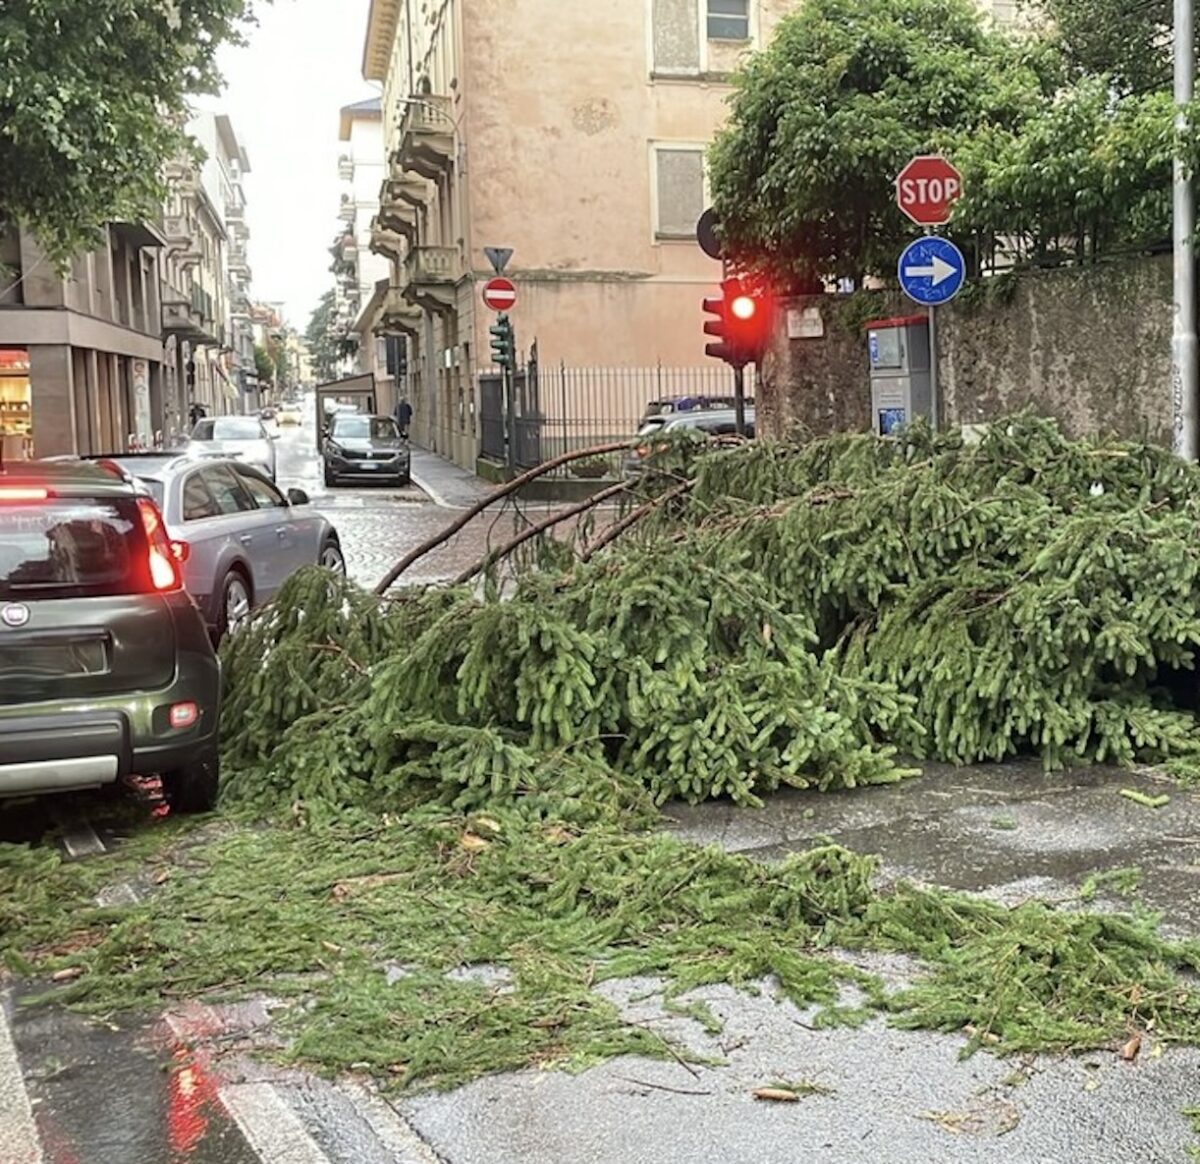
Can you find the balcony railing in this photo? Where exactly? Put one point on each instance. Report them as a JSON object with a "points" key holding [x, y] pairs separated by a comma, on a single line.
{"points": [[427, 135], [430, 274], [346, 168]]}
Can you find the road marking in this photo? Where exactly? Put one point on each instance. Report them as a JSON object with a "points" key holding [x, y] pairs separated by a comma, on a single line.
{"points": [[271, 1127], [393, 1132], [18, 1133], [80, 840]]}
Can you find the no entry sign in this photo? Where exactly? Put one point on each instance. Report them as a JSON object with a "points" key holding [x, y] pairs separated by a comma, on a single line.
{"points": [[500, 294], [927, 188]]}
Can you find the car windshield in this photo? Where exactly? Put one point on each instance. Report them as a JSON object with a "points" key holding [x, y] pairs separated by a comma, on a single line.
{"points": [[362, 427], [71, 549], [228, 428]]}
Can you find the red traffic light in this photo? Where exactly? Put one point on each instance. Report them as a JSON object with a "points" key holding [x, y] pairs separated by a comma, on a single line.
{"points": [[743, 307]]}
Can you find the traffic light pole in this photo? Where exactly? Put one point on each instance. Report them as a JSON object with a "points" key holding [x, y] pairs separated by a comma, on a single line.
{"points": [[510, 416], [739, 399]]}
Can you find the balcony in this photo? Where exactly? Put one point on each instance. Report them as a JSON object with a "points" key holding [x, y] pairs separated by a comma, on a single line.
{"points": [[184, 321], [404, 186], [430, 276], [348, 210], [398, 315], [181, 177], [399, 218], [175, 230], [388, 243], [427, 135], [346, 168], [235, 211]]}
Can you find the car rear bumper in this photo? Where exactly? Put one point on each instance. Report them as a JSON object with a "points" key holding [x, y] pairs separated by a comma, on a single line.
{"points": [[58, 747]]}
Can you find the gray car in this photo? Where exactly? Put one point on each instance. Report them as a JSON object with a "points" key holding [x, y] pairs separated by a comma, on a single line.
{"points": [[243, 536], [709, 421], [366, 448], [105, 666], [242, 437]]}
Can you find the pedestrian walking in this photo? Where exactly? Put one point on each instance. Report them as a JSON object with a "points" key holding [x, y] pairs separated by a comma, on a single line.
{"points": [[403, 416]]}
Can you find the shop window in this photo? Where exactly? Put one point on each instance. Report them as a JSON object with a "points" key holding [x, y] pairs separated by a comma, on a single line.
{"points": [[16, 406]]}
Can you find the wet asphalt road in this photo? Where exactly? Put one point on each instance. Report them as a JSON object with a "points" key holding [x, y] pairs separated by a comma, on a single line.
{"points": [[186, 1092]]}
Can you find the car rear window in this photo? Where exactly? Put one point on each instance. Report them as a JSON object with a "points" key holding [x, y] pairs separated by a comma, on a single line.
{"points": [[72, 548]]}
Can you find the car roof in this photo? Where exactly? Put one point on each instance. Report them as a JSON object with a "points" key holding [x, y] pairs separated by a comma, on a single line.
{"points": [[704, 415], [69, 476]]}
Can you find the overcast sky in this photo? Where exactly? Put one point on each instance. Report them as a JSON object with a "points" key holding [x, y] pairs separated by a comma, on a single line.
{"points": [[283, 92]]}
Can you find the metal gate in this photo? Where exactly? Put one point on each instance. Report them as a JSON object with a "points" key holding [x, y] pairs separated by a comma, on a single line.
{"points": [[527, 424], [491, 417]]}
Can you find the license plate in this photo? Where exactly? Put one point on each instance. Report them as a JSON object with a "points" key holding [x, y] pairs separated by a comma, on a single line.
{"points": [[369, 465]]}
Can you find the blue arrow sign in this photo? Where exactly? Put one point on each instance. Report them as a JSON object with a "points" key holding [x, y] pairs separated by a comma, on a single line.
{"points": [[931, 270]]}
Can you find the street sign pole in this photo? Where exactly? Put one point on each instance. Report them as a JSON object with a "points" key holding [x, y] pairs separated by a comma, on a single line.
{"points": [[739, 399], [934, 403], [1185, 395]]}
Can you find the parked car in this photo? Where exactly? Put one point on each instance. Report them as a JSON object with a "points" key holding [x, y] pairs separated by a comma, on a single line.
{"points": [[240, 537], [659, 411], [106, 669], [710, 421], [243, 437], [369, 448], [288, 414]]}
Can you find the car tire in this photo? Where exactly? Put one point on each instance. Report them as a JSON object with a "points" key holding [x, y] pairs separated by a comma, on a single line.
{"points": [[236, 602], [193, 787], [331, 557]]}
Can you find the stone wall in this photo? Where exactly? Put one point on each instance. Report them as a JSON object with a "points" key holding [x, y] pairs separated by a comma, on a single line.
{"points": [[1089, 346]]}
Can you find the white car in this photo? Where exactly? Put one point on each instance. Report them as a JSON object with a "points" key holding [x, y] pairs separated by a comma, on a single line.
{"points": [[241, 437], [288, 414]]}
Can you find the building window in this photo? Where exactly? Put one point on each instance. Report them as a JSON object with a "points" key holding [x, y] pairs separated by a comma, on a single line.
{"points": [[676, 36], [679, 186], [728, 19]]}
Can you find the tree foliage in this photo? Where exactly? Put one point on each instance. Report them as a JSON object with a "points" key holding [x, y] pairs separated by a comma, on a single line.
{"points": [[1126, 40], [319, 334], [93, 97], [1058, 164]]}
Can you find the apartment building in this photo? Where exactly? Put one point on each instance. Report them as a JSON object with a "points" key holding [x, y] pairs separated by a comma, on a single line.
{"points": [[81, 354], [362, 274], [588, 164]]}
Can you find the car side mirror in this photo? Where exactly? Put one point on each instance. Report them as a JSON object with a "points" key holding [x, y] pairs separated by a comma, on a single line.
{"points": [[297, 497]]}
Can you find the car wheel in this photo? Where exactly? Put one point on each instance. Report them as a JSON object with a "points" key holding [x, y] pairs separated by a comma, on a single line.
{"points": [[331, 558], [193, 788], [236, 604]]}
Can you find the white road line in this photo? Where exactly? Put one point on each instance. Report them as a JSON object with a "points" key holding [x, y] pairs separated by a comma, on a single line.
{"points": [[18, 1133], [271, 1127], [392, 1131], [80, 840]]}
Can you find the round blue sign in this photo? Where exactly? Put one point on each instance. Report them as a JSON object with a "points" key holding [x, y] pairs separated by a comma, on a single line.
{"points": [[931, 270]]}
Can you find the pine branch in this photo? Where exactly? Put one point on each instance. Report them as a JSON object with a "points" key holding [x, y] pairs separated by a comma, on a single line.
{"points": [[498, 494], [493, 556], [615, 530]]}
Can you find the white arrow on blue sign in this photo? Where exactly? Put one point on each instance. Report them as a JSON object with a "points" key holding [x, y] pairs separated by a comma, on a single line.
{"points": [[932, 271]]}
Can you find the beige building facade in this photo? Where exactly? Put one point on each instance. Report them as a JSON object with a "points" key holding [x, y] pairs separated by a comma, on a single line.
{"points": [[81, 356], [588, 163]]}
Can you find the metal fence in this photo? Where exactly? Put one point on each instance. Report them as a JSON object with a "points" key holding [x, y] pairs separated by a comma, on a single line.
{"points": [[559, 408]]}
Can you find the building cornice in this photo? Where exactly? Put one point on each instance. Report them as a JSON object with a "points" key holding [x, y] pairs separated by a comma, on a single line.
{"points": [[381, 35]]}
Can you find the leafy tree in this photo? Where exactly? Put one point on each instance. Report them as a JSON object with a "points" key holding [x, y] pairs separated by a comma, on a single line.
{"points": [[264, 365], [824, 118], [93, 99], [1058, 164], [1128, 40], [320, 339]]}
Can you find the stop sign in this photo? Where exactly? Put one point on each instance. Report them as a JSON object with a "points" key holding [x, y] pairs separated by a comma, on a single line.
{"points": [[500, 294], [927, 188]]}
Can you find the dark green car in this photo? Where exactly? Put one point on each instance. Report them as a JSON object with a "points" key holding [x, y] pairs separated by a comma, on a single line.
{"points": [[106, 667]]}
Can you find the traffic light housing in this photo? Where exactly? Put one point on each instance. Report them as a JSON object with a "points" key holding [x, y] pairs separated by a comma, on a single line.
{"points": [[741, 322], [504, 347]]}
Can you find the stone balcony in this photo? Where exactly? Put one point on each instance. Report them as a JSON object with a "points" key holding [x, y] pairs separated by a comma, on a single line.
{"points": [[399, 315], [388, 243], [427, 135], [430, 275]]}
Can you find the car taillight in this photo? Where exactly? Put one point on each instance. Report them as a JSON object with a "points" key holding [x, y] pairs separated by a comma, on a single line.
{"points": [[183, 715], [164, 572], [22, 493]]}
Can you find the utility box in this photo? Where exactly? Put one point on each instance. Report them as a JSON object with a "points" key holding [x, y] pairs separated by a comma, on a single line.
{"points": [[898, 350]]}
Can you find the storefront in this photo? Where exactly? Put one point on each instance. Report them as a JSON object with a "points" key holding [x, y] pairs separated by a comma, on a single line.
{"points": [[16, 414]]}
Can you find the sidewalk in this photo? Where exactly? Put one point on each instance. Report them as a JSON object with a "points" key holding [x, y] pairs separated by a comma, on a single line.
{"points": [[447, 485]]}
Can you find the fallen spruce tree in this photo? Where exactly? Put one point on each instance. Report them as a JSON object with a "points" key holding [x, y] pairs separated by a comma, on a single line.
{"points": [[793, 614], [479, 767]]}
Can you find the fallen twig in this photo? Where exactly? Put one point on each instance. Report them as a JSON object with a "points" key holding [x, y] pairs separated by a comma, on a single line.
{"points": [[663, 1086]]}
